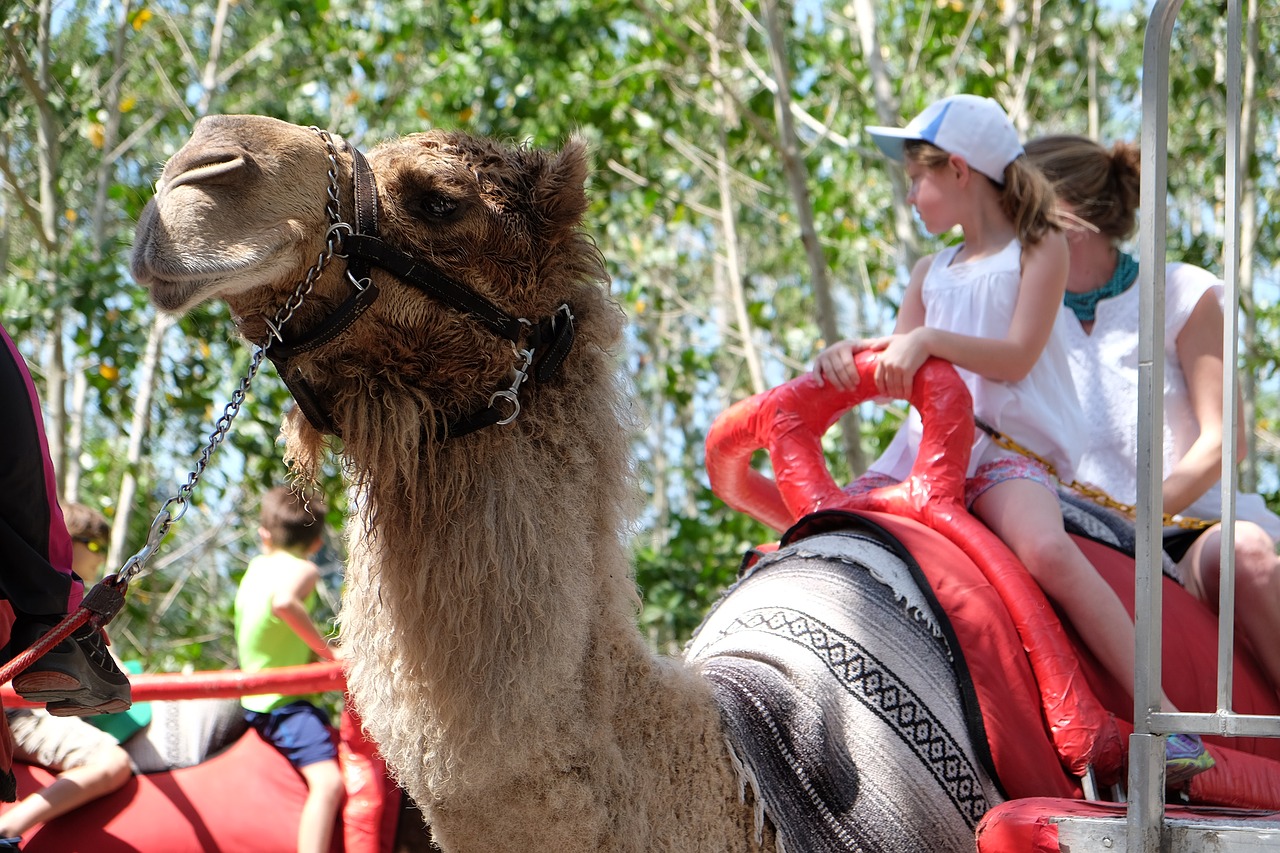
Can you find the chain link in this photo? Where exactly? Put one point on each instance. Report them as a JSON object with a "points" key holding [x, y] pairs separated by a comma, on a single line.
{"points": [[1087, 490], [176, 506]]}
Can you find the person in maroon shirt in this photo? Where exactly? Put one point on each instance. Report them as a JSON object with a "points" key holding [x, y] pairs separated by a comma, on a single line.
{"points": [[78, 676]]}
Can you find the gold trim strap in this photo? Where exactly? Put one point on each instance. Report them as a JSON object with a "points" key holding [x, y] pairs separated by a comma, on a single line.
{"points": [[1089, 491]]}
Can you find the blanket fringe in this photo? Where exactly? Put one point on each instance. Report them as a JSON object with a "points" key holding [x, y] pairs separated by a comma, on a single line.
{"points": [[746, 778]]}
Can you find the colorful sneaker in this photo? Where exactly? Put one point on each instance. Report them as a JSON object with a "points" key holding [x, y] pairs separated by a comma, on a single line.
{"points": [[78, 677], [1185, 756]]}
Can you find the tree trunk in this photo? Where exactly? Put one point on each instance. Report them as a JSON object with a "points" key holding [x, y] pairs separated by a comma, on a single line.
{"points": [[110, 131], [5, 234], [659, 329], [139, 427], [75, 435], [1092, 55], [887, 113], [797, 180], [728, 218], [54, 398], [149, 373], [101, 238], [1013, 47]]}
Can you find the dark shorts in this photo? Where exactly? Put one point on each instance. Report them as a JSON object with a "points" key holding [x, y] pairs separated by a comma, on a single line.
{"points": [[1178, 540], [300, 730]]}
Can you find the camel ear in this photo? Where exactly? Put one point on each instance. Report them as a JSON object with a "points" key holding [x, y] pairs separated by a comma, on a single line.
{"points": [[560, 196]]}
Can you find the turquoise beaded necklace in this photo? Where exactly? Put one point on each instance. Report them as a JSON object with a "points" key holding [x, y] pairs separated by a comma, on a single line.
{"points": [[1085, 305]]}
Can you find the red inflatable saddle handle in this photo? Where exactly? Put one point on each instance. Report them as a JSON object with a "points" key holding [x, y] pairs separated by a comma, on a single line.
{"points": [[789, 421]]}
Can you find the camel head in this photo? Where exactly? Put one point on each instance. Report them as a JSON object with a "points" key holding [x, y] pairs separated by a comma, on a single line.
{"points": [[480, 559], [486, 262]]}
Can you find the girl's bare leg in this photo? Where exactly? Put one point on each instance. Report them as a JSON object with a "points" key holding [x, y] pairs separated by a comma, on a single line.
{"points": [[1027, 518]]}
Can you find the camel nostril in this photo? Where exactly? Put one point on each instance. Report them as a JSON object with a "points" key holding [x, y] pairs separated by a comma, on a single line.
{"points": [[208, 166]]}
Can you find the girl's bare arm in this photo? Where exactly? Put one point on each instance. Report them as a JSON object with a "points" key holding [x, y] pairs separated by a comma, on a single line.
{"points": [[1008, 359]]}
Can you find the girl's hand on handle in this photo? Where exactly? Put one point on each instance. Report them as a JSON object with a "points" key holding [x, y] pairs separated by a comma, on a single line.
{"points": [[900, 357], [835, 364]]}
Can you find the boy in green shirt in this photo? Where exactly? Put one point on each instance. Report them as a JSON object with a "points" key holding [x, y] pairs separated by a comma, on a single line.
{"points": [[273, 628]]}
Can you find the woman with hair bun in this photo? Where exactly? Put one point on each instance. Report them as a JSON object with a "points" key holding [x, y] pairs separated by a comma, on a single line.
{"points": [[1100, 187]]}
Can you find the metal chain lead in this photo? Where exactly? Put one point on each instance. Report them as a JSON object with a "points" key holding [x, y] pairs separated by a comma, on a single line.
{"points": [[176, 507]]}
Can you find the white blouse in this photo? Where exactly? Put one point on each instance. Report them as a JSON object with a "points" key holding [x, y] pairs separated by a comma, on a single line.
{"points": [[1105, 365], [1039, 411]]}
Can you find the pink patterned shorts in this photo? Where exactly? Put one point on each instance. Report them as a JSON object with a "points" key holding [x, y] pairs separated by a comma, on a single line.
{"points": [[988, 474]]}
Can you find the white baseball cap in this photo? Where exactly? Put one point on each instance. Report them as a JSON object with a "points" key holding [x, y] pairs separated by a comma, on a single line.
{"points": [[975, 128]]}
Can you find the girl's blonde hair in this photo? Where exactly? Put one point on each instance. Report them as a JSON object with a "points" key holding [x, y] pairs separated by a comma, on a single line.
{"points": [[1026, 196], [1104, 186]]}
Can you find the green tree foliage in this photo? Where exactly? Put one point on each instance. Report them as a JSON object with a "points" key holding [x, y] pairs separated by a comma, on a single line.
{"points": [[678, 99]]}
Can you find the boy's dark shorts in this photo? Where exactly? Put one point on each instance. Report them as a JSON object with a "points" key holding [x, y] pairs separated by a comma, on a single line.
{"points": [[300, 730]]}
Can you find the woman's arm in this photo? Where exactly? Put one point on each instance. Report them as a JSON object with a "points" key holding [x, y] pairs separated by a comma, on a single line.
{"points": [[1199, 348], [1008, 359]]}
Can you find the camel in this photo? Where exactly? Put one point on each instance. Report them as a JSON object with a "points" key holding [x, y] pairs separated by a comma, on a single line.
{"points": [[489, 610]]}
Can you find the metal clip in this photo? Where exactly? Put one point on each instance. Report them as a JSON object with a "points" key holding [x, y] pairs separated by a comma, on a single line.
{"points": [[510, 397], [359, 284], [338, 228], [275, 333], [520, 373]]}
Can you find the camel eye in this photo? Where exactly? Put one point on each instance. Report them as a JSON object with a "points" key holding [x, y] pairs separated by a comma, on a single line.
{"points": [[436, 205]]}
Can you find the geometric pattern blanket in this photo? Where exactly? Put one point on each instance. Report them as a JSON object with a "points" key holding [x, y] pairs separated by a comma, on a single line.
{"points": [[841, 703]]}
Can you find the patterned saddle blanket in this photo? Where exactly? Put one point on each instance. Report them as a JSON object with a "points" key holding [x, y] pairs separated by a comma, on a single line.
{"points": [[1086, 518], [849, 723]]}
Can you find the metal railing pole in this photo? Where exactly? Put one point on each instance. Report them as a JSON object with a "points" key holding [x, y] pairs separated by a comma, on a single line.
{"points": [[1230, 346], [1146, 753]]}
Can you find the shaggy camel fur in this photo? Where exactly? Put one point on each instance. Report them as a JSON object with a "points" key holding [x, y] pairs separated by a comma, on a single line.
{"points": [[489, 610]]}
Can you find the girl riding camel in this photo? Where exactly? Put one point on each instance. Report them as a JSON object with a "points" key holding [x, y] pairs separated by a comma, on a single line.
{"points": [[992, 306]]}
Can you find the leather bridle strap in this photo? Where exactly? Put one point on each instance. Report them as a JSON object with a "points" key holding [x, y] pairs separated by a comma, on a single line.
{"points": [[371, 250], [365, 198], [364, 294], [542, 346]]}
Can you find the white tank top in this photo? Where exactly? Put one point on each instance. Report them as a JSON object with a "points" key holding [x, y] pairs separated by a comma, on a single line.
{"points": [[1106, 365], [1039, 411]]}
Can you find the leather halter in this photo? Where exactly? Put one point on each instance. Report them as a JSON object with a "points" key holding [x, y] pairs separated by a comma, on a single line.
{"points": [[540, 347]]}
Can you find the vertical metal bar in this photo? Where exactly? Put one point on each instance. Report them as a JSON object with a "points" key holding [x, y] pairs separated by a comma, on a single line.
{"points": [[1230, 347], [1146, 792], [1146, 775]]}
